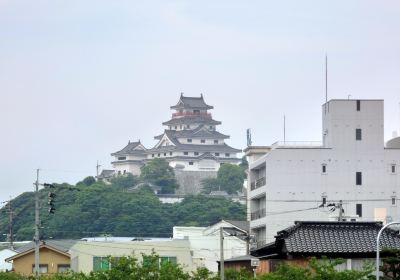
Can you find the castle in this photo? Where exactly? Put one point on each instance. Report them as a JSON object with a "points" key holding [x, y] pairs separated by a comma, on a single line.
{"points": [[190, 143]]}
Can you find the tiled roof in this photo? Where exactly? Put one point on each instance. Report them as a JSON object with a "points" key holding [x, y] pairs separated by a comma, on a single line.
{"points": [[197, 148], [336, 237], [130, 149], [191, 120], [192, 102], [60, 245], [106, 173], [199, 132], [244, 225]]}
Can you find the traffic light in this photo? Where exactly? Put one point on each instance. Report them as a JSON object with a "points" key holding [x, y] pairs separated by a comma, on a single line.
{"points": [[52, 196]]}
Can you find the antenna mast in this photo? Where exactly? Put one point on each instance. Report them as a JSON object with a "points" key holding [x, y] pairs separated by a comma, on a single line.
{"points": [[326, 78], [284, 129]]}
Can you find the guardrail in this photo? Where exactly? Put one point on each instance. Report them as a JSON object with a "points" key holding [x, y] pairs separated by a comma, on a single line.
{"points": [[258, 183], [260, 213]]}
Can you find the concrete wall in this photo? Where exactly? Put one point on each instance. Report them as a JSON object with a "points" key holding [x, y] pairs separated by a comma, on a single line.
{"points": [[190, 181]]}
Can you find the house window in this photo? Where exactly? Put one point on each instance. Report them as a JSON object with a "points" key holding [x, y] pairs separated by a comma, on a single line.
{"points": [[358, 178], [358, 134], [101, 263], [323, 168], [170, 153], [189, 140], [121, 158], [196, 153], [43, 268], [393, 168], [185, 153], [215, 141], [202, 141], [217, 154], [359, 210], [190, 162], [62, 268], [168, 259], [227, 155], [358, 105]]}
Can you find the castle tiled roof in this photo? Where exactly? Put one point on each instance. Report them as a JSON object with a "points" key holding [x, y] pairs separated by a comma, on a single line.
{"points": [[199, 132], [335, 238], [191, 120], [130, 149], [223, 148], [192, 103]]}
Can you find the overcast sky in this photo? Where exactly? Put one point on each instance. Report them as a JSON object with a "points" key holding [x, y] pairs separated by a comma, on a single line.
{"points": [[78, 79]]}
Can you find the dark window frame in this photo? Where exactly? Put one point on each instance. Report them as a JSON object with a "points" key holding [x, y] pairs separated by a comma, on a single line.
{"points": [[359, 178], [359, 209], [358, 105], [358, 134]]}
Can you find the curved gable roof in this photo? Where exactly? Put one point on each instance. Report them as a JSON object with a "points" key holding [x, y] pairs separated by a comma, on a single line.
{"points": [[192, 103]]}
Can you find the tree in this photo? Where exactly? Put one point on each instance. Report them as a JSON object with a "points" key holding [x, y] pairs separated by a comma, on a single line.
{"points": [[125, 181], [230, 178], [159, 173], [90, 180], [391, 264]]}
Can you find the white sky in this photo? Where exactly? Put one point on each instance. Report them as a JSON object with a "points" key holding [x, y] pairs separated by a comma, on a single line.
{"points": [[78, 79]]}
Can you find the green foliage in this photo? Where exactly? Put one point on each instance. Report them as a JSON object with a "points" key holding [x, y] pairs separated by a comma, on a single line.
{"points": [[84, 211], [230, 178], [88, 181], [242, 274], [391, 264], [158, 172], [125, 181]]}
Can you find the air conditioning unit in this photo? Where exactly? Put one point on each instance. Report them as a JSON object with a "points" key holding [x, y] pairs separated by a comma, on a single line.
{"points": [[255, 262]]}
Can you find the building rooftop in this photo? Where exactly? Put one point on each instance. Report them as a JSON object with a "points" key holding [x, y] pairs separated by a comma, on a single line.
{"points": [[191, 120], [199, 132], [133, 148], [191, 103]]}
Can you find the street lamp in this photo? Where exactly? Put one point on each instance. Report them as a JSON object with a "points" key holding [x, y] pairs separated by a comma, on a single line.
{"points": [[377, 246]]}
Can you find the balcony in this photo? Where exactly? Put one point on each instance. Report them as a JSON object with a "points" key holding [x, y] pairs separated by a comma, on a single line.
{"points": [[258, 183], [260, 213], [191, 114]]}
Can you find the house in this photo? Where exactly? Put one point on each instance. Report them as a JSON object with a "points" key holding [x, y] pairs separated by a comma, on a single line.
{"points": [[351, 175], [54, 257], [205, 241], [87, 256], [5, 254], [353, 241]]}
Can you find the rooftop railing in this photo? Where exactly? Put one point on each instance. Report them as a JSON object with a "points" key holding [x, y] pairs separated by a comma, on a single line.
{"points": [[297, 144]]}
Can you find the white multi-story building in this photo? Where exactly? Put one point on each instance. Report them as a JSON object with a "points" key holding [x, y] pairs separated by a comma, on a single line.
{"points": [[352, 169]]}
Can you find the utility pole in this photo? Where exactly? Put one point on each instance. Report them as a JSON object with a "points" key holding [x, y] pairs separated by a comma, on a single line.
{"points": [[221, 260], [10, 224], [340, 210], [37, 225]]}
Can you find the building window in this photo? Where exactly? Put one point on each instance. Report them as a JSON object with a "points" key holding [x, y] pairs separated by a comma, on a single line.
{"points": [[185, 153], [187, 126], [393, 201], [358, 134], [324, 200], [393, 168], [159, 155], [165, 154], [170, 153], [227, 155], [358, 178], [359, 210], [202, 141], [215, 141], [196, 111], [189, 140], [101, 263], [323, 168], [190, 162], [121, 158], [211, 127], [124, 171], [152, 155], [62, 268], [168, 259], [43, 268], [217, 154], [358, 105], [196, 153], [176, 127]]}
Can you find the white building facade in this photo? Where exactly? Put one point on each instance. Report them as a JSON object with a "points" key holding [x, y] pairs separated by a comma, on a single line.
{"points": [[352, 169]]}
